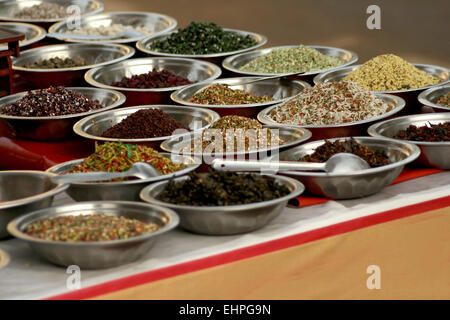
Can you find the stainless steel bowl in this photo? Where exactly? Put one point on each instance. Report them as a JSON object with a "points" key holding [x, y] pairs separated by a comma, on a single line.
{"points": [[32, 33], [433, 154], [4, 259], [358, 184], [194, 70], [57, 128], [281, 90], [144, 46], [235, 62], [8, 8], [410, 96], [95, 54], [24, 191], [225, 220], [155, 22], [430, 97], [98, 254], [340, 130], [123, 190], [92, 127]]}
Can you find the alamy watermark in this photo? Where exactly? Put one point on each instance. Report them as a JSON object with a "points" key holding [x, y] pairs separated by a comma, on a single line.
{"points": [[373, 22], [374, 280], [73, 281]]}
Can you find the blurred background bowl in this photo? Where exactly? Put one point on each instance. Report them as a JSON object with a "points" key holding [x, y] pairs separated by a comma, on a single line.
{"points": [[24, 191], [4, 259], [358, 184], [216, 58], [97, 254], [430, 97], [155, 22], [347, 129], [92, 127], [225, 220], [433, 154], [8, 8], [122, 190], [233, 63], [95, 54], [410, 96], [193, 70], [281, 90], [57, 128], [32, 34]]}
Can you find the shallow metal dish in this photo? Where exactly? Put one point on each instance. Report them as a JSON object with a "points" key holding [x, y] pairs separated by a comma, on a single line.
{"points": [[32, 33], [123, 190], [430, 97], [24, 191], [358, 184], [340, 130], [156, 22], [9, 7], [193, 70], [57, 128], [144, 46], [410, 96], [234, 62], [4, 259], [281, 90], [98, 254], [226, 220], [95, 54], [92, 127], [433, 154]]}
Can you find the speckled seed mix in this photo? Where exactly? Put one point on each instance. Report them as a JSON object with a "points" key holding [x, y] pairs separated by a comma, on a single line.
{"points": [[108, 30], [330, 103], [444, 100], [57, 62], [218, 94], [89, 228], [42, 11], [289, 60], [389, 72]]}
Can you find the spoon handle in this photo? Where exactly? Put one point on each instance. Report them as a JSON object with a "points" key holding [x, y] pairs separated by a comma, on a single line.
{"points": [[89, 176], [251, 165]]}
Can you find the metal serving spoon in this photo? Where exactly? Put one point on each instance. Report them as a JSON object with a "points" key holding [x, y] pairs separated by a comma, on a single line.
{"points": [[339, 163], [140, 170], [129, 33]]}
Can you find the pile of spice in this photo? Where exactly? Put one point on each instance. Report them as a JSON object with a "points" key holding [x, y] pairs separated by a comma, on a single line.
{"points": [[202, 38], [56, 63], [108, 30], [42, 11], [152, 79], [218, 94], [54, 101], [118, 157], [429, 133], [144, 123], [374, 158], [389, 72], [89, 228], [444, 100], [330, 103], [238, 134], [221, 188], [289, 60]]}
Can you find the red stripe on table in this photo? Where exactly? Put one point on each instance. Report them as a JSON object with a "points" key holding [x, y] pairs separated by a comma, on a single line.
{"points": [[252, 251]]}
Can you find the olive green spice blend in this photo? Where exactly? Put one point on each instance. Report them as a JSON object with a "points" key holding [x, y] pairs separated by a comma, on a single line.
{"points": [[218, 94]]}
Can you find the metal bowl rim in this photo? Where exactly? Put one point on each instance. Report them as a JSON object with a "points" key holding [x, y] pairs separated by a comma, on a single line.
{"points": [[423, 97], [27, 200], [319, 78], [226, 63], [299, 189], [77, 126], [307, 134], [400, 104], [88, 76], [413, 156], [175, 98], [373, 129], [41, 33], [120, 95], [100, 8], [189, 168], [141, 45], [130, 52], [13, 226]]}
